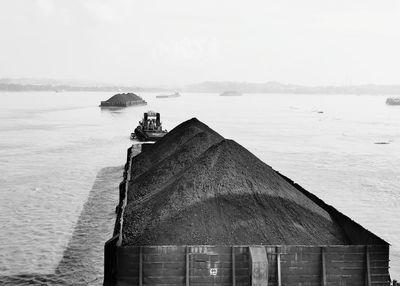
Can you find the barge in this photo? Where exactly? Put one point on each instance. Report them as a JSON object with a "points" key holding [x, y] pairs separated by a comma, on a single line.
{"points": [[123, 100], [175, 94], [231, 93], [393, 101], [161, 238]]}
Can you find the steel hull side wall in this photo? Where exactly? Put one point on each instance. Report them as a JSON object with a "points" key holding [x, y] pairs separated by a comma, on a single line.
{"points": [[232, 265], [110, 261], [122, 192]]}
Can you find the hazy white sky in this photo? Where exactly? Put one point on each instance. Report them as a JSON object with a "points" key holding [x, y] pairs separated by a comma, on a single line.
{"points": [[181, 41]]}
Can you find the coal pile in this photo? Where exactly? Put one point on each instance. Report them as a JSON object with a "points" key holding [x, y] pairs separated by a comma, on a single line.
{"points": [[123, 100], [124, 97], [195, 187]]}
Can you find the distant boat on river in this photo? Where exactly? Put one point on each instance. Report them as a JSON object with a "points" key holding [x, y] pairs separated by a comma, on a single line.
{"points": [[231, 93], [393, 101], [175, 94]]}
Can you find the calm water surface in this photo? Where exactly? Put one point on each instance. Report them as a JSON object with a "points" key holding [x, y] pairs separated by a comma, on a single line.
{"points": [[52, 146]]}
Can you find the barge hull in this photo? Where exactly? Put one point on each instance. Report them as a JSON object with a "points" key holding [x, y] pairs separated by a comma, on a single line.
{"points": [[238, 265]]}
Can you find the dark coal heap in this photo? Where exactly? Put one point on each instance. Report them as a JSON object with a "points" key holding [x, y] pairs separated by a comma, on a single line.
{"points": [[195, 187]]}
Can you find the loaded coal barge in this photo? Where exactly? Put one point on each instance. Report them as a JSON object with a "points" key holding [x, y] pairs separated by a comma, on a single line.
{"points": [[149, 128], [199, 209], [120, 100]]}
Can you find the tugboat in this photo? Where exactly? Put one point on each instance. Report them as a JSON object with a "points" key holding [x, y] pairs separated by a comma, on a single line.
{"points": [[149, 128]]}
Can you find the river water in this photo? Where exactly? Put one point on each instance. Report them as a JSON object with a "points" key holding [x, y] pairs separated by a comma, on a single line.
{"points": [[55, 214]]}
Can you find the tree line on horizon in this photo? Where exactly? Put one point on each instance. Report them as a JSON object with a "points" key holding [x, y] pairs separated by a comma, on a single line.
{"points": [[216, 87]]}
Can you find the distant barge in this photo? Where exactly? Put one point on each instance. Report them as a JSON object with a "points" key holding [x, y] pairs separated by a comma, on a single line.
{"points": [[175, 94], [393, 101], [123, 100], [362, 260], [231, 93]]}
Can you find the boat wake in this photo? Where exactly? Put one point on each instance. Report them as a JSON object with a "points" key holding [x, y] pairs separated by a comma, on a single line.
{"points": [[82, 261]]}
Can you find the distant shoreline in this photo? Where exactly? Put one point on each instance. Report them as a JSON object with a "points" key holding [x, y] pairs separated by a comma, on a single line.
{"points": [[215, 87], [67, 88]]}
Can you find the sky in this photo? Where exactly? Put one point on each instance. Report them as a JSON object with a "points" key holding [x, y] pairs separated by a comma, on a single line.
{"points": [[170, 42]]}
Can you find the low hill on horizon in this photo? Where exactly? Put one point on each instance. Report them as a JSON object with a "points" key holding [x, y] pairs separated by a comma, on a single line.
{"points": [[32, 84]]}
